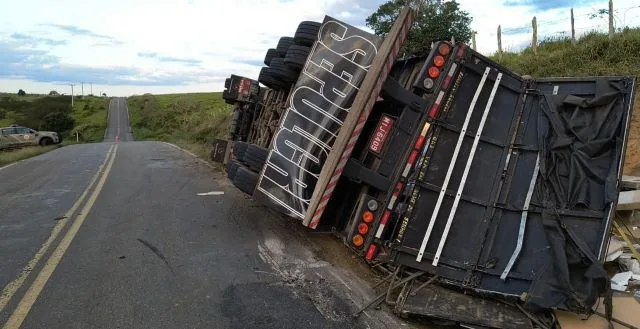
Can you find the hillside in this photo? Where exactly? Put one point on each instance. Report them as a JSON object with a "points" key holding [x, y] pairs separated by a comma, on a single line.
{"points": [[593, 55], [189, 120], [88, 114]]}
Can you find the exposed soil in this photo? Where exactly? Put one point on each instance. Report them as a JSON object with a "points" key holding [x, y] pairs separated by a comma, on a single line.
{"points": [[632, 157]]}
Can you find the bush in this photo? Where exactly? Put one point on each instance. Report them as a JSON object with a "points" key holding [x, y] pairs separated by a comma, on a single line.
{"points": [[58, 122]]}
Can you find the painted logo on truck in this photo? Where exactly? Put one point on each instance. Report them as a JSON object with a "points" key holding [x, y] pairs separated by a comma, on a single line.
{"points": [[318, 105]]}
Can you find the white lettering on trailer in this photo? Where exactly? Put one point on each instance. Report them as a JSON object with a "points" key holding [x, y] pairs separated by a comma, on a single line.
{"points": [[338, 63]]}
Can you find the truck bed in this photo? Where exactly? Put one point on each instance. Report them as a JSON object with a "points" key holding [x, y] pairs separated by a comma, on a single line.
{"points": [[520, 206]]}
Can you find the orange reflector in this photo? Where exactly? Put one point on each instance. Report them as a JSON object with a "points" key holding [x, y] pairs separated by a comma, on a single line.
{"points": [[371, 252], [438, 61], [444, 49], [357, 240], [367, 217], [434, 72], [363, 228]]}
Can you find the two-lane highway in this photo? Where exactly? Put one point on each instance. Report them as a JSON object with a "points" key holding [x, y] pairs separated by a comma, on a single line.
{"points": [[118, 126], [120, 235]]}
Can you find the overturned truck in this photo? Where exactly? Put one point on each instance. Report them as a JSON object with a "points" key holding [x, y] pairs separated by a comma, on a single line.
{"points": [[488, 195]]}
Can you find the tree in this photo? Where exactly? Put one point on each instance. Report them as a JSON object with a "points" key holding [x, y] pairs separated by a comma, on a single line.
{"points": [[104, 95], [435, 21], [58, 122], [53, 93], [21, 93]]}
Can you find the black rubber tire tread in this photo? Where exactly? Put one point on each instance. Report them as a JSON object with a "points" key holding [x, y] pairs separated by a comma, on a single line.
{"points": [[271, 53], [227, 83], [267, 79], [307, 33], [245, 180], [297, 56], [255, 157], [282, 72], [283, 45], [239, 148], [232, 168]]}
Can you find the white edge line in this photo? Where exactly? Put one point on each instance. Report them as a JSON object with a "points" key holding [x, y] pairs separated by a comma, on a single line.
{"points": [[191, 154]]}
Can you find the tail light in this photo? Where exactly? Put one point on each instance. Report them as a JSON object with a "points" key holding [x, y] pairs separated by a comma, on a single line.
{"points": [[367, 217], [434, 72], [438, 61], [357, 240], [444, 49], [363, 228]]}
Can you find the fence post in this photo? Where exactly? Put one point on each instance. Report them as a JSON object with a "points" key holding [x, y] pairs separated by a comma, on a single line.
{"points": [[499, 43], [534, 40], [611, 20], [473, 40], [573, 29]]}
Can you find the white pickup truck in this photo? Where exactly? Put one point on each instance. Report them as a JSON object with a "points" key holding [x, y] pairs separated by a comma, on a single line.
{"points": [[17, 136]]}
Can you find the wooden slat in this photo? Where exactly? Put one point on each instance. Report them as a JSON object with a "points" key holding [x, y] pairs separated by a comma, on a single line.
{"points": [[631, 182], [629, 200]]}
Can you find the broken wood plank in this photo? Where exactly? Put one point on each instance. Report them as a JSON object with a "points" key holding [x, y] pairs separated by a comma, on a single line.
{"points": [[628, 200], [631, 182]]}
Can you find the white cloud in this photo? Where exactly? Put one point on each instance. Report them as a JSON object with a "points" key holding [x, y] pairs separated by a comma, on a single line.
{"points": [[199, 42]]}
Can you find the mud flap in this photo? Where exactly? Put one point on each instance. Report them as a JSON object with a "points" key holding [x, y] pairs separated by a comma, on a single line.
{"points": [[220, 150]]}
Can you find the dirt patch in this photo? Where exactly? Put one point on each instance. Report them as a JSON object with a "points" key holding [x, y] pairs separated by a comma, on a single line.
{"points": [[632, 156]]}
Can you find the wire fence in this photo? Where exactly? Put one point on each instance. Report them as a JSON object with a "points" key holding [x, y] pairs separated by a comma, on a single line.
{"points": [[516, 38]]}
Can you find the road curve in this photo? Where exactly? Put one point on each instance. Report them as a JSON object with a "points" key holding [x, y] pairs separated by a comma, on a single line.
{"points": [[129, 235]]}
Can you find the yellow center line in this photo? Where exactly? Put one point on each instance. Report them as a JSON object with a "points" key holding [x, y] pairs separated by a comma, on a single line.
{"points": [[30, 297], [12, 287]]}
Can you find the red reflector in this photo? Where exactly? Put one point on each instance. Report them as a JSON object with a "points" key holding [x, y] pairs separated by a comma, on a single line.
{"points": [[412, 157], [438, 61], [371, 252], [444, 49], [434, 111], [363, 228], [419, 142], [447, 81], [398, 188], [385, 217], [434, 72]]}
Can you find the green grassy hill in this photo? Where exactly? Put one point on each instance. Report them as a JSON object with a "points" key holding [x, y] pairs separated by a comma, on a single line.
{"points": [[593, 55], [189, 120]]}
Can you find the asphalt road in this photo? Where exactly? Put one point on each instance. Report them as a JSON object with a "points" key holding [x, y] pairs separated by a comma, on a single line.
{"points": [[116, 235]]}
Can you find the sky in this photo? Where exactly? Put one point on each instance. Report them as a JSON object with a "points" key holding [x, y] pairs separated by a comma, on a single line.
{"points": [[126, 47]]}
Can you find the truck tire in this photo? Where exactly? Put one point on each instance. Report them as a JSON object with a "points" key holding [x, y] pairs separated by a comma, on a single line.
{"points": [[227, 83], [297, 56], [234, 125], [238, 150], [267, 79], [283, 45], [271, 53], [307, 33], [255, 157], [232, 168], [245, 180], [282, 72]]}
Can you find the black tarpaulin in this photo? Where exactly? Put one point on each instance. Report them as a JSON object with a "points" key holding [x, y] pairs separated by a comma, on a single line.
{"points": [[580, 147]]}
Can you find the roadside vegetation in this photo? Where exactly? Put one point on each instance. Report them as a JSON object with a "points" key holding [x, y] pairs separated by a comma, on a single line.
{"points": [[54, 113], [188, 120], [7, 157], [592, 55]]}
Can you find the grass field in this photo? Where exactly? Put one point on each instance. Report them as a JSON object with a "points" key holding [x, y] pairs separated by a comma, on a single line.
{"points": [[7, 157], [593, 55], [90, 115], [188, 120]]}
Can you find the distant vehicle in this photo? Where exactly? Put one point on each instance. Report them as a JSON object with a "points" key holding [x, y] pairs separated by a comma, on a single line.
{"points": [[17, 136]]}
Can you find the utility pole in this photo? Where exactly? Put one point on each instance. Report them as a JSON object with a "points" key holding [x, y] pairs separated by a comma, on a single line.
{"points": [[611, 31], [91, 88], [71, 84], [82, 88]]}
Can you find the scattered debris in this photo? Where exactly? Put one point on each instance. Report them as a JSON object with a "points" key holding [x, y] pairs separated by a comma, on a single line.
{"points": [[122, 257], [212, 193], [60, 218]]}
